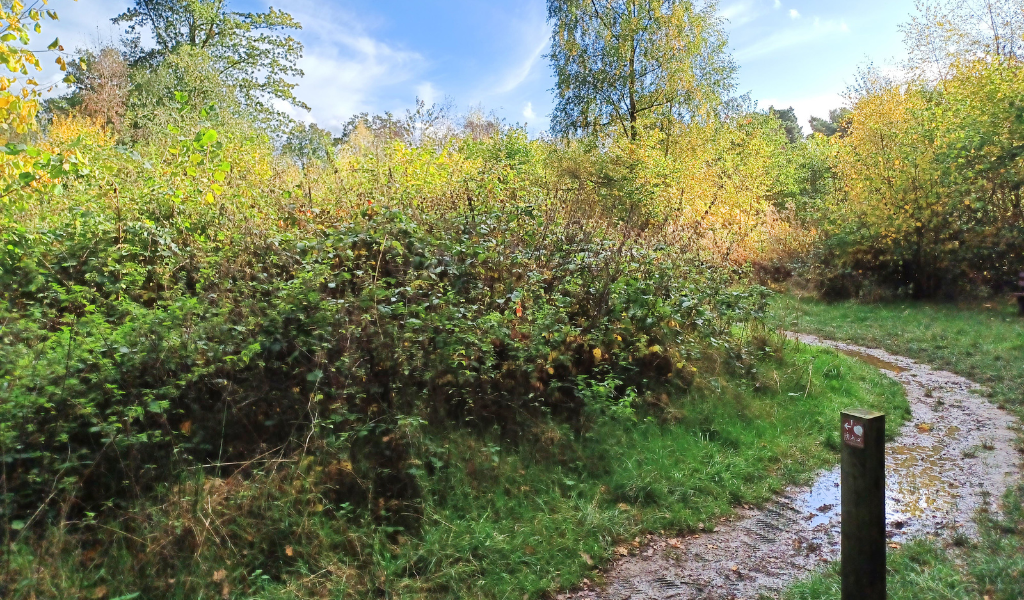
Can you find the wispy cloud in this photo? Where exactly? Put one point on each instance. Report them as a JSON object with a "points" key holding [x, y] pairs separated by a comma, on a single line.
{"points": [[794, 36], [740, 13], [348, 70], [515, 76], [778, 4], [794, 13]]}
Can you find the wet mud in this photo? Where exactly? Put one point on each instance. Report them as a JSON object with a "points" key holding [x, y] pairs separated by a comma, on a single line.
{"points": [[953, 457]]}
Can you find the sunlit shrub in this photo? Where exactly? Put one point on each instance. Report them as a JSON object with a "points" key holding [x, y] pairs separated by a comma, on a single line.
{"points": [[931, 181]]}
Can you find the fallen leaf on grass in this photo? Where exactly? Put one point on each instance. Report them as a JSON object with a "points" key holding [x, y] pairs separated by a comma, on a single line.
{"points": [[587, 559], [289, 551], [621, 551], [219, 576]]}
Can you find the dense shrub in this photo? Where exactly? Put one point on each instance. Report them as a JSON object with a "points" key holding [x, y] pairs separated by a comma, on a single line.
{"points": [[136, 348], [930, 180]]}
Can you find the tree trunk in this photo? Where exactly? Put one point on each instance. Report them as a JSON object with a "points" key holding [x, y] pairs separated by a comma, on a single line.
{"points": [[632, 93]]}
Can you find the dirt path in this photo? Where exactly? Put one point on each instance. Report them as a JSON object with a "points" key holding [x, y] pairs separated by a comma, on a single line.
{"points": [[954, 456]]}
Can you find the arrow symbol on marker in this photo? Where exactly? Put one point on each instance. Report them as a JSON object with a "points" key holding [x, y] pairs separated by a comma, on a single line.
{"points": [[846, 426]]}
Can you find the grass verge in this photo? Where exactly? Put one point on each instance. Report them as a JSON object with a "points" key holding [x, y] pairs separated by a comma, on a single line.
{"points": [[497, 521]]}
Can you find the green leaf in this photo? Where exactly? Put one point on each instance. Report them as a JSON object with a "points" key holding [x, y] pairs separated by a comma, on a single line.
{"points": [[17, 525], [209, 137], [53, 45], [26, 178]]}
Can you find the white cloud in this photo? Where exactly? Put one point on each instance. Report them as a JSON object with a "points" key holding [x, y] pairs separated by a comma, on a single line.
{"points": [[347, 70], [343, 80], [81, 25], [528, 112], [427, 93], [778, 4], [794, 13]]}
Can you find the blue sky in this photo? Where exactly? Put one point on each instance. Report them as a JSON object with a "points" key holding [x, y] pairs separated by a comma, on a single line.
{"points": [[379, 55]]}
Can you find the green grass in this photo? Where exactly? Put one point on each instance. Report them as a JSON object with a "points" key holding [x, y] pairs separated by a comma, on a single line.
{"points": [[498, 521], [983, 341]]}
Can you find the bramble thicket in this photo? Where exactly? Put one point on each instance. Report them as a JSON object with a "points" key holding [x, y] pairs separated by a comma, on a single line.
{"points": [[246, 355]]}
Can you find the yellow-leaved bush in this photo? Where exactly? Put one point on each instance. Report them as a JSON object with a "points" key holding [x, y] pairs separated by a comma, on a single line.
{"points": [[929, 196]]}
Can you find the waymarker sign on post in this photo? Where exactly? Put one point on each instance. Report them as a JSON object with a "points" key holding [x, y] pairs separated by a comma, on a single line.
{"points": [[863, 505]]}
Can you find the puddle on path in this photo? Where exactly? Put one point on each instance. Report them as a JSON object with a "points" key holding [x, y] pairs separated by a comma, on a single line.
{"points": [[873, 360], [921, 496], [938, 476]]}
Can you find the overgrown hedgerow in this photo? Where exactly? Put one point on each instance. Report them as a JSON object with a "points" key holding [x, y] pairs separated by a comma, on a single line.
{"points": [[136, 349]]}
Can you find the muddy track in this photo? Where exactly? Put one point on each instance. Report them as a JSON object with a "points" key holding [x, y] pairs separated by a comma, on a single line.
{"points": [[955, 455]]}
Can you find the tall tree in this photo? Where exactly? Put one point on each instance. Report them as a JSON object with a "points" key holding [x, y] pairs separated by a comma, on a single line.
{"points": [[838, 122], [619, 61], [104, 86], [252, 52], [790, 123], [942, 31]]}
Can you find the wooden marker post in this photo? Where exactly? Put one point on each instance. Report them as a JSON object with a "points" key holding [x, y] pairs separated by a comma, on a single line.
{"points": [[863, 505]]}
